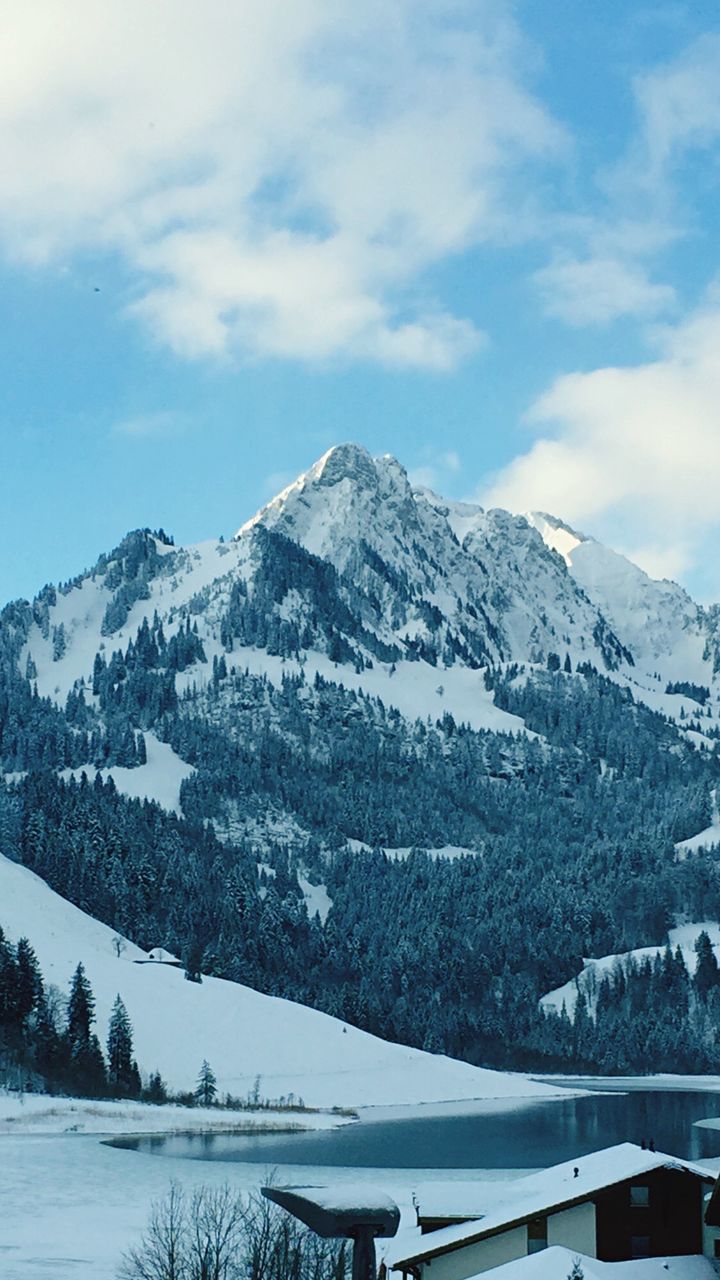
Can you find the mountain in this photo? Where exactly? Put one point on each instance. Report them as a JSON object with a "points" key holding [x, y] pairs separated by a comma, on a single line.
{"points": [[445, 580], [661, 626], [202, 745]]}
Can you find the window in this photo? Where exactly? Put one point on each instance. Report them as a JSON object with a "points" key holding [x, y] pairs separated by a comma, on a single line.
{"points": [[639, 1246], [639, 1197], [537, 1235]]}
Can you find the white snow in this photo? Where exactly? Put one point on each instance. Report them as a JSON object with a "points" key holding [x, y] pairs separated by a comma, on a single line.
{"points": [[656, 619], [242, 1033], [159, 779], [412, 688], [704, 839], [447, 851], [684, 936], [316, 898], [31, 1113], [556, 1263]]}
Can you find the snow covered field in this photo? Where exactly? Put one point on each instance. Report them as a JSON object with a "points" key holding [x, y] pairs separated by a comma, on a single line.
{"points": [[40, 1114], [70, 1205]]}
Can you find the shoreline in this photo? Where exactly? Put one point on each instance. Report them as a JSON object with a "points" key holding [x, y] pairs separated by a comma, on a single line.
{"points": [[662, 1081]]}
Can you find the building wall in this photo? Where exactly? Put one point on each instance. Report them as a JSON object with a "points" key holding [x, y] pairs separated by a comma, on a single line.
{"points": [[574, 1228], [671, 1222], [478, 1257]]}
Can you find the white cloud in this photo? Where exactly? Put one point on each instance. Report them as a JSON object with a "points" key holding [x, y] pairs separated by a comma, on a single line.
{"points": [[600, 290], [277, 174], [626, 450], [436, 468], [599, 270], [679, 103], [164, 422]]}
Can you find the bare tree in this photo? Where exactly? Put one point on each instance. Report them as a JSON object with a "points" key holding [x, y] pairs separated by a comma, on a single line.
{"points": [[216, 1225], [162, 1252], [220, 1235], [119, 945]]}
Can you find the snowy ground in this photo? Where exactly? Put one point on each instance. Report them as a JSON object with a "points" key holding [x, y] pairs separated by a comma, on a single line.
{"points": [[40, 1114], [159, 779], [704, 839], [660, 1082], [70, 1205]]}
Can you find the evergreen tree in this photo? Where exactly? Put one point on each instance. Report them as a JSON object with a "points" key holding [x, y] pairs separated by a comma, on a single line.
{"points": [[81, 1009], [29, 980], [206, 1090], [123, 1076], [9, 1018], [707, 974], [156, 1090]]}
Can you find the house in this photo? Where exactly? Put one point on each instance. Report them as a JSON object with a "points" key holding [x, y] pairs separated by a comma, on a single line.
{"points": [[159, 955], [613, 1205]]}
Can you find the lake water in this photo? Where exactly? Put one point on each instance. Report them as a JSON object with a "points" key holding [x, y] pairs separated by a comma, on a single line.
{"points": [[527, 1136]]}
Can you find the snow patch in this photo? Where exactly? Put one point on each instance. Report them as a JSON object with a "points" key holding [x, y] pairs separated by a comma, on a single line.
{"points": [[159, 779]]}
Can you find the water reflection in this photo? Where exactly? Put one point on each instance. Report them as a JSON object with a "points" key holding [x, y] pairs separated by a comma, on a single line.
{"points": [[537, 1134]]}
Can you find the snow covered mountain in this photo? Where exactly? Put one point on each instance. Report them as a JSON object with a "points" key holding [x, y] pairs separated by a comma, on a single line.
{"points": [[661, 626], [391, 576], [366, 666], [444, 578]]}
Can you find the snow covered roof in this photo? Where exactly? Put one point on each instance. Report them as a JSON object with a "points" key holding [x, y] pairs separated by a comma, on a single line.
{"points": [[338, 1211], [556, 1263], [511, 1204]]}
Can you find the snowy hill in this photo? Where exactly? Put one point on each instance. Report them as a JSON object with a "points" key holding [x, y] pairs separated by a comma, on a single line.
{"points": [[243, 1034], [367, 671]]}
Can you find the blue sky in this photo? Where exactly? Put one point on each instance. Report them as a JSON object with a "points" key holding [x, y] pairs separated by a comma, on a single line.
{"points": [[482, 236]]}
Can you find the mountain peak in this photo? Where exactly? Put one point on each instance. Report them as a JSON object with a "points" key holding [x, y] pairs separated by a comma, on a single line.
{"points": [[345, 462], [337, 498]]}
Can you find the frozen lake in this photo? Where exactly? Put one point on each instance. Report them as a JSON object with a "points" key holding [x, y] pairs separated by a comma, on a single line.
{"points": [[521, 1136]]}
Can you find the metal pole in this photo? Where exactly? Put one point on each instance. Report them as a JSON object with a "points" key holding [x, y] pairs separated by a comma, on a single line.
{"points": [[363, 1262]]}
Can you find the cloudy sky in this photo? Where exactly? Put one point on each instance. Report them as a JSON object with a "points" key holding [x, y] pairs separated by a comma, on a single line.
{"points": [[481, 235]]}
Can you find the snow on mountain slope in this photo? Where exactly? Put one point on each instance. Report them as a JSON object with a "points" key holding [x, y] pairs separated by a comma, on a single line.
{"points": [[657, 620], [159, 779], [486, 576], [80, 611], [446, 587], [704, 839], [684, 936], [242, 1033]]}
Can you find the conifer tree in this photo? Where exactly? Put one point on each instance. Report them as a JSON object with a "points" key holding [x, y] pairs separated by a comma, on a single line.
{"points": [[206, 1091], [81, 1009], [707, 974], [29, 980], [123, 1076]]}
